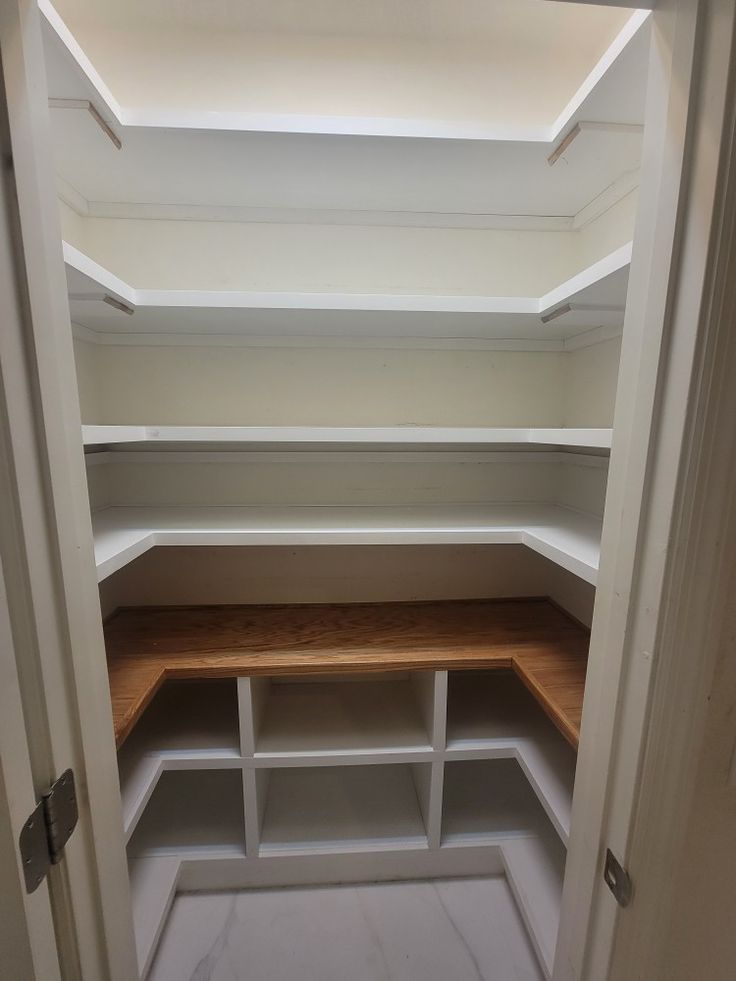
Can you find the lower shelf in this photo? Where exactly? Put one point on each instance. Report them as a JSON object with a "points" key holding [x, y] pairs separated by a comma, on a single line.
{"points": [[535, 868], [343, 808], [488, 800], [569, 538], [152, 888], [192, 812]]}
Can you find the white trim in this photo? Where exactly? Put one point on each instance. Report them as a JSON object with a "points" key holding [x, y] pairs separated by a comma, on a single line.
{"points": [[637, 535], [324, 341], [598, 335], [316, 216], [620, 189]]}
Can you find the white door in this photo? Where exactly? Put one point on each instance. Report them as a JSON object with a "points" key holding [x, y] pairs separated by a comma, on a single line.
{"points": [[54, 700]]}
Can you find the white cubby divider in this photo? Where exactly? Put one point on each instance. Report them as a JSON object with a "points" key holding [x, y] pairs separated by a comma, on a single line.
{"points": [[278, 769]]}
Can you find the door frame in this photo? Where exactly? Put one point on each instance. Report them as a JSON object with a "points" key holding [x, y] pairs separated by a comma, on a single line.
{"points": [[62, 673], [645, 693], [47, 549]]}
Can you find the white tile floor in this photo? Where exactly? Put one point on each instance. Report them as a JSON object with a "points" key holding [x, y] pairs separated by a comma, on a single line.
{"points": [[445, 930]]}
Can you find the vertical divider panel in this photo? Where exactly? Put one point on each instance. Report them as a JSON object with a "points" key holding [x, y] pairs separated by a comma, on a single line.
{"points": [[422, 776], [423, 685], [439, 713], [439, 743], [255, 792], [252, 698], [434, 819]]}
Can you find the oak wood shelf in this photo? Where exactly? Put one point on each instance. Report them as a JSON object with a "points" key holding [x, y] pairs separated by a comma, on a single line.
{"points": [[541, 644]]}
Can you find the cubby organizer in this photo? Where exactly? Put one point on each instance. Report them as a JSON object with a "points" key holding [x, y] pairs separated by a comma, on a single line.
{"points": [[309, 743]]}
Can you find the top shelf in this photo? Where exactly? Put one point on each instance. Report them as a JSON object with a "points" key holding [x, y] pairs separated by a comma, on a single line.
{"points": [[611, 91], [457, 171], [342, 438]]}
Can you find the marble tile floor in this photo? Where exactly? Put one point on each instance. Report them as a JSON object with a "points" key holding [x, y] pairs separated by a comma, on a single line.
{"points": [[442, 930]]}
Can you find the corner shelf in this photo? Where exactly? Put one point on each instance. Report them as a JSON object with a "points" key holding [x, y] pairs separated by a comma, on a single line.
{"points": [[569, 538], [487, 800], [594, 297], [545, 647], [491, 714], [153, 884], [297, 438], [185, 726], [535, 869], [180, 819]]}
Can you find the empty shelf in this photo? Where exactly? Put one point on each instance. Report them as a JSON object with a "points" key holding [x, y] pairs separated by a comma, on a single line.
{"points": [[569, 538], [342, 807], [152, 886], [535, 868], [185, 721], [486, 801], [146, 646], [343, 437], [492, 712], [193, 812], [342, 716], [594, 297]]}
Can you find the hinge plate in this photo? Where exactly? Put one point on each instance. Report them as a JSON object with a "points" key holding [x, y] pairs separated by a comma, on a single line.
{"points": [[48, 829], [34, 848], [617, 879]]}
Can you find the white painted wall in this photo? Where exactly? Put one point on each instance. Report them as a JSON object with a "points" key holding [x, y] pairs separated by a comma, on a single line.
{"points": [[322, 386], [607, 232], [88, 380], [229, 255], [591, 375], [172, 385], [225, 255], [187, 575]]}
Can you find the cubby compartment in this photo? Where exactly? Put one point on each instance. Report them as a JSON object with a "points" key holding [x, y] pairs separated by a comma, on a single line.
{"points": [[488, 800], [188, 723], [343, 714], [193, 813], [189, 717], [493, 713], [344, 808]]}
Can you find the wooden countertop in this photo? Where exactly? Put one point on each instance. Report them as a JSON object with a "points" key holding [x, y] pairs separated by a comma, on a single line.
{"points": [[545, 647]]}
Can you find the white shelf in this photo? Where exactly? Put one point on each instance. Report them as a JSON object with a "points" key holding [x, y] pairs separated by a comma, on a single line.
{"points": [[408, 166], [486, 801], [612, 91], [193, 813], [596, 297], [492, 713], [569, 538], [188, 725], [535, 868], [306, 718], [343, 437], [354, 808], [153, 887]]}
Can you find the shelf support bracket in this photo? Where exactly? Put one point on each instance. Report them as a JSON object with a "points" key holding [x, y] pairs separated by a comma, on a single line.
{"points": [[94, 112]]}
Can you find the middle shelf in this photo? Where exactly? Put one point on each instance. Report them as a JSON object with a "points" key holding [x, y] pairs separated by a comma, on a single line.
{"points": [[567, 537]]}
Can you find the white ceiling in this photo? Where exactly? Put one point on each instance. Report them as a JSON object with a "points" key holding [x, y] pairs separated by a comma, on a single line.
{"points": [[530, 24]]}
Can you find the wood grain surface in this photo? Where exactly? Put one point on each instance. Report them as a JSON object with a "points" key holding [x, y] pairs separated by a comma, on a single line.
{"points": [[545, 647]]}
